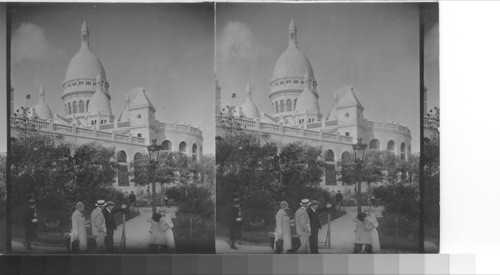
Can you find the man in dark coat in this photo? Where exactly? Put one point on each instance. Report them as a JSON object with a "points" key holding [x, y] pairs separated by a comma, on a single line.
{"points": [[109, 219], [313, 212], [235, 223], [339, 198], [132, 199], [30, 224]]}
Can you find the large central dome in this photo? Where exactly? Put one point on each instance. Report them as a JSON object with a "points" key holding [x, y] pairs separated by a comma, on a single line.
{"points": [[292, 62], [85, 64]]}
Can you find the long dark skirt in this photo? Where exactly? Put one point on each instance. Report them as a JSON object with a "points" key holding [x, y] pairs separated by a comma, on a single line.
{"points": [[235, 232]]}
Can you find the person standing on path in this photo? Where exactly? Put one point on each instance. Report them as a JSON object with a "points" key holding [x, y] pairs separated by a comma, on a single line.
{"points": [[362, 242], [339, 198], [283, 229], [303, 225], [313, 212], [132, 201], [78, 229], [109, 218], [98, 225], [30, 224], [235, 223], [166, 222], [372, 223]]}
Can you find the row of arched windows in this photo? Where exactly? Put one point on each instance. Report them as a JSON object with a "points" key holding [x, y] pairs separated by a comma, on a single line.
{"points": [[121, 156], [74, 107], [279, 107], [374, 145], [81, 82]]}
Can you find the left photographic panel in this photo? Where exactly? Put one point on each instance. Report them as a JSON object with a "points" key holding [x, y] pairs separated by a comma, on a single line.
{"points": [[110, 148]]}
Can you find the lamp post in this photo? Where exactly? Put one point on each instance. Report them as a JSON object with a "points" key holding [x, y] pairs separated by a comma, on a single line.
{"points": [[359, 156], [154, 155]]}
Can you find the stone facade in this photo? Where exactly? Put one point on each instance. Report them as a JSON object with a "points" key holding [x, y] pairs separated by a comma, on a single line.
{"points": [[296, 116], [88, 117]]}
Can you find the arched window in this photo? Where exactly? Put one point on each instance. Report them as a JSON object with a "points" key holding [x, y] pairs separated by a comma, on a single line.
{"points": [[289, 105], [182, 147], [282, 105], [390, 146], [329, 155], [166, 145], [295, 104], [276, 107], [121, 157], [137, 157], [409, 149], [194, 151], [87, 109], [403, 150], [81, 106], [69, 108], [272, 103], [374, 144], [201, 150], [74, 107], [346, 156]]}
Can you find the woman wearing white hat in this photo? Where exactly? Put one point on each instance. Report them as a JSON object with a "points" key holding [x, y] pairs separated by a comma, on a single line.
{"points": [[372, 223], [78, 230]]}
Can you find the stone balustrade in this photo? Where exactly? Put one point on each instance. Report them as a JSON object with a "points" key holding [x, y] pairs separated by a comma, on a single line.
{"points": [[244, 123], [51, 127], [387, 126]]}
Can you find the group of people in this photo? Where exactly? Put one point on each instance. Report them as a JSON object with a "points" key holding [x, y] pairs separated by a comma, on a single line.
{"points": [[102, 223], [307, 223], [366, 240], [162, 236]]}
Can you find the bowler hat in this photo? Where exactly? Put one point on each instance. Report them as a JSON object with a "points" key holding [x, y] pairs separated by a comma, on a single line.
{"points": [[110, 203]]}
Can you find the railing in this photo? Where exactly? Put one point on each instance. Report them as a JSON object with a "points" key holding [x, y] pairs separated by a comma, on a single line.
{"points": [[78, 131], [121, 137], [387, 125], [84, 132], [106, 126], [293, 131], [63, 128]]}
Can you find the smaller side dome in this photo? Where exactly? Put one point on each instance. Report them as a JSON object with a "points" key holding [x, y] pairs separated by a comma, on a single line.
{"points": [[41, 109], [307, 101], [248, 107], [99, 102]]}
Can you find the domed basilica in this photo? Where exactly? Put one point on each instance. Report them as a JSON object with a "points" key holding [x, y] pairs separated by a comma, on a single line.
{"points": [[296, 115], [88, 116]]}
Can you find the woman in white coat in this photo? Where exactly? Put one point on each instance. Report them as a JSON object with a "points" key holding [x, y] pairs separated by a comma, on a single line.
{"points": [[372, 223], [166, 222], [283, 229], [78, 229]]}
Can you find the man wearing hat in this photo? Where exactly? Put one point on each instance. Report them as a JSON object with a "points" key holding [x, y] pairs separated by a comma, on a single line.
{"points": [[98, 225], [30, 224], [313, 212], [303, 225], [235, 226], [109, 219]]}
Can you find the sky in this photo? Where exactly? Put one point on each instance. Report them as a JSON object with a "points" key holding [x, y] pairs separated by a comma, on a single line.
{"points": [[168, 49], [372, 46]]}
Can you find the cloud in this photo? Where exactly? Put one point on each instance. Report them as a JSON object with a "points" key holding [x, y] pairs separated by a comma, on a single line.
{"points": [[29, 43], [432, 44], [238, 42]]}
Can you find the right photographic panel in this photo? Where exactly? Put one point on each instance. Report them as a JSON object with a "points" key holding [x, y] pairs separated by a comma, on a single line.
{"points": [[321, 113]]}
